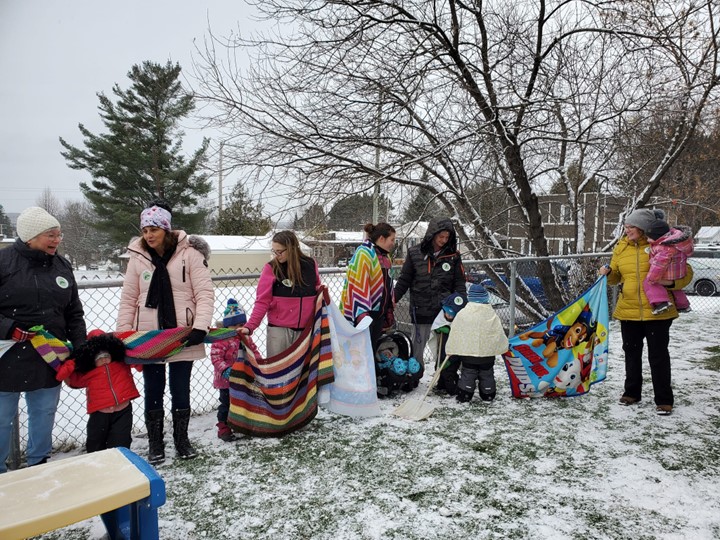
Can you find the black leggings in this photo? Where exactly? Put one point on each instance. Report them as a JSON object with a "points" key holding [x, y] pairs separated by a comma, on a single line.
{"points": [[154, 378], [109, 430]]}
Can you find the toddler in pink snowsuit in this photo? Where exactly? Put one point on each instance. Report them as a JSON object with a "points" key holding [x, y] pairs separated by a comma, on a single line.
{"points": [[670, 248], [223, 354]]}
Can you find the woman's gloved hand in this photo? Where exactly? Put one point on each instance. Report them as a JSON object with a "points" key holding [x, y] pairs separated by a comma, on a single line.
{"points": [[196, 337]]}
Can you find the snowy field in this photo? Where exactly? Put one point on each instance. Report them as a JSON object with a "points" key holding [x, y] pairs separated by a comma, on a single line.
{"points": [[585, 467]]}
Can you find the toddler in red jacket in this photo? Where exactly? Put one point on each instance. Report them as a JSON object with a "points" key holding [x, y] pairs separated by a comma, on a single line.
{"points": [[99, 367]]}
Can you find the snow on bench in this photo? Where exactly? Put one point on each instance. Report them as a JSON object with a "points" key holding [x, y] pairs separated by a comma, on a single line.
{"points": [[116, 484]]}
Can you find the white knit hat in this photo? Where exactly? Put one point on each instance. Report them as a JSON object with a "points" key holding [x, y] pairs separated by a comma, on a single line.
{"points": [[33, 221]]}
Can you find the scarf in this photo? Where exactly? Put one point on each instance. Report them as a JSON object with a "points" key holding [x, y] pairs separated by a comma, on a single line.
{"points": [[160, 294]]}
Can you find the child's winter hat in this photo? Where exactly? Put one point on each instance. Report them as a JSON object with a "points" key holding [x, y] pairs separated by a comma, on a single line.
{"points": [[98, 342], [233, 314], [478, 294], [34, 221], [657, 229], [453, 303], [643, 217]]}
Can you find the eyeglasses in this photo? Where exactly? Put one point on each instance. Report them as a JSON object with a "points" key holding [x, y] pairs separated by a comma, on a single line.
{"points": [[53, 236], [278, 252]]}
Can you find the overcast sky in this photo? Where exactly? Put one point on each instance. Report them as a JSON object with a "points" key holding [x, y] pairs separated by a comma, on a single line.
{"points": [[54, 58]]}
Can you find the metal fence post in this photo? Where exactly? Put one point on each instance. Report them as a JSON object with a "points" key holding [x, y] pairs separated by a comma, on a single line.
{"points": [[14, 459], [513, 275]]}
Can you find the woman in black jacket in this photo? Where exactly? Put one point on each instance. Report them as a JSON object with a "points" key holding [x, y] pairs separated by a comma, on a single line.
{"points": [[432, 271], [37, 287]]}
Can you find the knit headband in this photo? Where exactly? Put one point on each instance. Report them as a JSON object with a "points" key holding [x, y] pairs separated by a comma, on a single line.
{"points": [[155, 217]]}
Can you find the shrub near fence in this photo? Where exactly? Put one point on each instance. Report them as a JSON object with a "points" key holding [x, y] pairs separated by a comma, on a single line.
{"points": [[100, 295]]}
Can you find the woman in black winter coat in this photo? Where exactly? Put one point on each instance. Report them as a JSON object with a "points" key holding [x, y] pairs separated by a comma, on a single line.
{"points": [[432, 271], [37, 287]]}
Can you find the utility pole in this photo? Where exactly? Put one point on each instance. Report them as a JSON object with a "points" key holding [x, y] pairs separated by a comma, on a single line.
{"points": [[376, 190], [220, 179]]}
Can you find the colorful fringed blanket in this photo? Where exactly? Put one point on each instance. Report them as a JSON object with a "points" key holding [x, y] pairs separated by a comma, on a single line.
{"points": [[141, 347], [149, 346], [564, 354], [271, 397], [53, 350]]}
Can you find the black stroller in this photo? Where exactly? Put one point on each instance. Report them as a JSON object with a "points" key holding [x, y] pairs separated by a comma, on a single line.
{"points": [[395, 366]]}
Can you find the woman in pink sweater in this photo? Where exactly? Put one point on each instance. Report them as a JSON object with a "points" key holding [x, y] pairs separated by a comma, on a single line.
{"points": [[285, 293]]}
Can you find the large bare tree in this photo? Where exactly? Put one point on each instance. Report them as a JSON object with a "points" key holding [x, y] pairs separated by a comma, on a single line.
{"points": [[444, 95]]}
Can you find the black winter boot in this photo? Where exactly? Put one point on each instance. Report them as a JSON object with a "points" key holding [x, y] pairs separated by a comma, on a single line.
{"points": [[181, 419], [156, 445]]}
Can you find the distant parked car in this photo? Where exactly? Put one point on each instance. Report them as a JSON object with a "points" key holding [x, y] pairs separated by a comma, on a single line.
{"points": [[706, 276], [342, 262], [92, 267], [528, 273], [473, 275], [707, 251]]}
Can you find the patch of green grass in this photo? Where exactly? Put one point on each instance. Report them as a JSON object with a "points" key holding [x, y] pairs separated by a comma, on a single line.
{"points": [[713, 361]]}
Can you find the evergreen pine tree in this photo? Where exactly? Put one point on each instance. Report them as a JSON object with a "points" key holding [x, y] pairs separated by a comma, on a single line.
{"points": [[5, 225], [422, 207], [139, 157], [353, 212], [242, 216]]}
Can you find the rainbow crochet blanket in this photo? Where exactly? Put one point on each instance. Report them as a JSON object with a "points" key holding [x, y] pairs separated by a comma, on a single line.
{"points": [[150, 346], [53, 350], [271, 397]]}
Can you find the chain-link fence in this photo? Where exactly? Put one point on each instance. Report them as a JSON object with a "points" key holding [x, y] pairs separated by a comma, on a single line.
{"points": [[100, 294]]}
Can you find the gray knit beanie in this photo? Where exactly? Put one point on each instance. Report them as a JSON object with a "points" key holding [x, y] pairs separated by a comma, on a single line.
{"points": [[642, 218]]}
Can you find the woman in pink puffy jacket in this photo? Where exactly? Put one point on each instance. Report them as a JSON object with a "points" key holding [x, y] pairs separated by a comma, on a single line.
{"points": [[167, 285]]}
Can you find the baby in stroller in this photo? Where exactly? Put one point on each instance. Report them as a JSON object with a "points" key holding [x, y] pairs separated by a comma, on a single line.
{"points": [[395, 366]]}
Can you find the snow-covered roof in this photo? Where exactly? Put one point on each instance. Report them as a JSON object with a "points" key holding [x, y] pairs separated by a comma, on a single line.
{"points": [[708, 235], [412, 229], [220, 243], [349, 236]]}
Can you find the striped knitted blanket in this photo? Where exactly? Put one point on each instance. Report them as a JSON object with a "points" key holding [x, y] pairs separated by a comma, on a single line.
{"points": [[53, 350], [271, 397], [150, 346], [144, 347]]}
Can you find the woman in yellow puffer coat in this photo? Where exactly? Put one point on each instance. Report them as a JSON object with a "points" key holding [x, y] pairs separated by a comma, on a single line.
{"points": [[628, 267]]}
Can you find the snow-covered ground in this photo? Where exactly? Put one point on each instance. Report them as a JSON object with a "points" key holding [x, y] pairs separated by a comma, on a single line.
{"points": [[585, 467]]}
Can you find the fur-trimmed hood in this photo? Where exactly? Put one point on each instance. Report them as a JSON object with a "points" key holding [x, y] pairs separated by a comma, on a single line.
{"points": [[85, 354], [201, 245]]}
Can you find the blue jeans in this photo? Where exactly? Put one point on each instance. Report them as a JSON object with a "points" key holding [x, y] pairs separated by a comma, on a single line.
{"points": [[41, 407]]}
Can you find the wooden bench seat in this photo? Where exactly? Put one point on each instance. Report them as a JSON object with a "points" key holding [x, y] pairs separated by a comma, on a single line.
{"points": [[116, 484]]}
